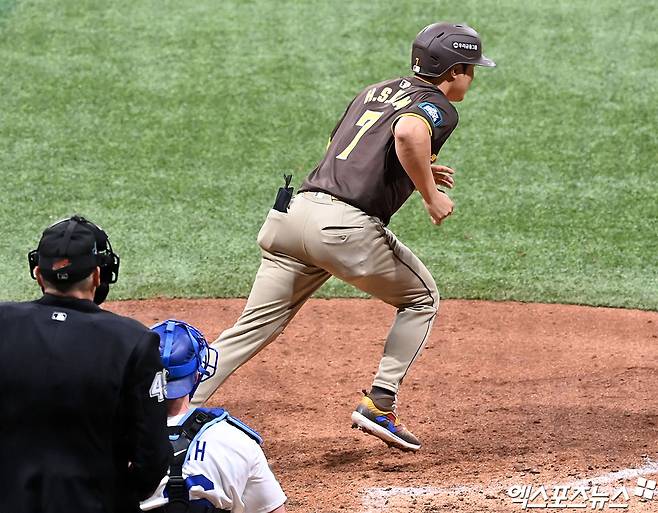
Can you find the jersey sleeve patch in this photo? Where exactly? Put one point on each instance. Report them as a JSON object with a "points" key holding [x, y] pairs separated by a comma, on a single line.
{"points": [[433, 112]]}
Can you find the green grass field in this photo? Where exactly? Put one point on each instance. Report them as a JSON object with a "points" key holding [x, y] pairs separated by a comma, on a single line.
{"points": [[170, 123]]}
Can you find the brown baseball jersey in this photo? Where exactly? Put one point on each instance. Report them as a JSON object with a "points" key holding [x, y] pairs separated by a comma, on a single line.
{"points": [[361, 166]]}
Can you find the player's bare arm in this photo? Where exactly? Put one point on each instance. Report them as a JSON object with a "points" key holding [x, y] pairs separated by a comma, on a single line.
{"points": [[413, 148]]}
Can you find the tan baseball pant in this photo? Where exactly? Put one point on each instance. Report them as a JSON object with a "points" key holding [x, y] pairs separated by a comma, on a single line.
{"points": [[318, 237]]}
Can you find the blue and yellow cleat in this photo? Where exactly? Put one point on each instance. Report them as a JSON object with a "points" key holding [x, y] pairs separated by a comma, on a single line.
{"points": [[385, 425]]}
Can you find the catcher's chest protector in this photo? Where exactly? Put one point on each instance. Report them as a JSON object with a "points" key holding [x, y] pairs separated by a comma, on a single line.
{"points": [[181, 437]]}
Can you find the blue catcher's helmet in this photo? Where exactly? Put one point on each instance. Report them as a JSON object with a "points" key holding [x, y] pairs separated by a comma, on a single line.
{"points": [[186, 356]]}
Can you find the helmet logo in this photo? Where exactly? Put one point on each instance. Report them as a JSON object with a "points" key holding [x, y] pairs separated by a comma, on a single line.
{"points": [[466, 46]]}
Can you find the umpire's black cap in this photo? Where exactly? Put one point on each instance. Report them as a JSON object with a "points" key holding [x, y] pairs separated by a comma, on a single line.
{"points": [[67, 251]]}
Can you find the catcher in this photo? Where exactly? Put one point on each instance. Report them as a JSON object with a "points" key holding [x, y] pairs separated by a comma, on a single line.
{"points": [[218, 464]]}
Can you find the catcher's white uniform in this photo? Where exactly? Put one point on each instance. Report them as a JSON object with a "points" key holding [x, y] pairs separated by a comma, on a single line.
{"points": [[227, 469]]}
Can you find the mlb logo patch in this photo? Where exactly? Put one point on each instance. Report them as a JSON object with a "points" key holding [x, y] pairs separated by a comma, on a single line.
{"points": [[59, 316], [432, 111]]}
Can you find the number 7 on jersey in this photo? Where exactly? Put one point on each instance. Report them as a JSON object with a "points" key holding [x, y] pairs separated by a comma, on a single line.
{"points": [[365, 122]]}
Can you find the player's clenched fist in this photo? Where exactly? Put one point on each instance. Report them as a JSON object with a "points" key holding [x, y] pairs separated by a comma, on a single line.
{"points": [[440, 207]]}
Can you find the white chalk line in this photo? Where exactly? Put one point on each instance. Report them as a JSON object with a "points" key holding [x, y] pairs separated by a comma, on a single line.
{"points": [[649, 467], [374, 499]]}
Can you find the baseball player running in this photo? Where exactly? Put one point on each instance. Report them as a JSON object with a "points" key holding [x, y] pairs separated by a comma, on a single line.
{"points": [[381, 150], [218, 465]]}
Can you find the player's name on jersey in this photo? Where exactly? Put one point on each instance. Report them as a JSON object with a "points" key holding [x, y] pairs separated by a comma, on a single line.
{"points": [[397, 100]]}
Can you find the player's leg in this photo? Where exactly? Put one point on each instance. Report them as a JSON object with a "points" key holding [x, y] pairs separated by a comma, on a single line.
{"points": [[403, 281], [370, 257], [409, 286], [362, 252], [282, 284]]}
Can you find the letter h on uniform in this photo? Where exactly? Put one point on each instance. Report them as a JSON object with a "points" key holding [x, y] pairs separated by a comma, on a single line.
{"points": [[200, 451]]}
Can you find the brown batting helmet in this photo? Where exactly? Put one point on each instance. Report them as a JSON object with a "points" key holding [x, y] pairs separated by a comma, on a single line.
{"points": [[440, 46]]}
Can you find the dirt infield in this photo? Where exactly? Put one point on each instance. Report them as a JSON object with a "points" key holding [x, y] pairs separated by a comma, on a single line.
{"points": [[505, 394]]}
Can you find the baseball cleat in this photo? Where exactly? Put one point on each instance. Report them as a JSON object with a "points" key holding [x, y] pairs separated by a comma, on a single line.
{"points": [[385, 425]]}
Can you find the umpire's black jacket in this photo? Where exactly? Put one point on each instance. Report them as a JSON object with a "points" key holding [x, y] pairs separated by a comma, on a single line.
{"points": [[76, 408]]}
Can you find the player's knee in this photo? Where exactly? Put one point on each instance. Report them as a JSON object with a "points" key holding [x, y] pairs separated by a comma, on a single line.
{"points": [[424, 299], [436, 296], [430, 300]]}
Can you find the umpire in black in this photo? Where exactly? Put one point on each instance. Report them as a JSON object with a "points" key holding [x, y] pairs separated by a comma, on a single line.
{"points": [[82, 416]]}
